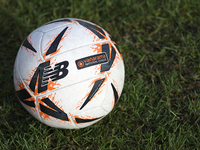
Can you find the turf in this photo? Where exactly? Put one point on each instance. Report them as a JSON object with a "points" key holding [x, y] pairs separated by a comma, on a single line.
{"points": [[159, 107]]}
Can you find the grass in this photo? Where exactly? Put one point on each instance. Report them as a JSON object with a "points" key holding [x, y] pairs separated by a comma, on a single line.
{"points": [[159, 107]]}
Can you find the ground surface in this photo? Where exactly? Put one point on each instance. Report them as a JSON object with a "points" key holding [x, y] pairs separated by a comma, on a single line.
{"points": [[159, 107]]}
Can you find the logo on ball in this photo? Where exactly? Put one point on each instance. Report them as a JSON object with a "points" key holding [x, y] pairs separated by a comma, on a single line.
{"points": [[45, 72], [80, 63]]}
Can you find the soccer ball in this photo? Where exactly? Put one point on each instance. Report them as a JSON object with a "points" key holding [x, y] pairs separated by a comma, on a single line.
{"points": [[69, 73]]}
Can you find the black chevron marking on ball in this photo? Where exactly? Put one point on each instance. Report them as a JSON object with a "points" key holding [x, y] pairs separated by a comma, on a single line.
{"points": [[115, 93], [115, 44], [28, 45], [94, 90], [61, 20], [79, 120], [23, 95], [107, 66], [54, 45], [96, 30], [56, 112], [117, 48]]}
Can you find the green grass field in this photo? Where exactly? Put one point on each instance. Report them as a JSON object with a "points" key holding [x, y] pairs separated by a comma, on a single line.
{"points": [[160, 104]]}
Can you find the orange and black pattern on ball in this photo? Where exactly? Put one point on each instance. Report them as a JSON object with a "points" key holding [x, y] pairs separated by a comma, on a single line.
{"points": [[115, 44], [41, 78], [24, 97], [54, 45], [27, 44], [54, 111], [85, 120], [94, 28], [94, 90], [115, 93], [44, 71], [108, 65]]}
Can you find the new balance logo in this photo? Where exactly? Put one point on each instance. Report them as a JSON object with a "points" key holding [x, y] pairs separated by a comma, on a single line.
{"points": [[45, 72]]}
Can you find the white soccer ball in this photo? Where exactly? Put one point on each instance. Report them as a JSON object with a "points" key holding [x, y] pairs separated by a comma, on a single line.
{"points": [[69, 73]]}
